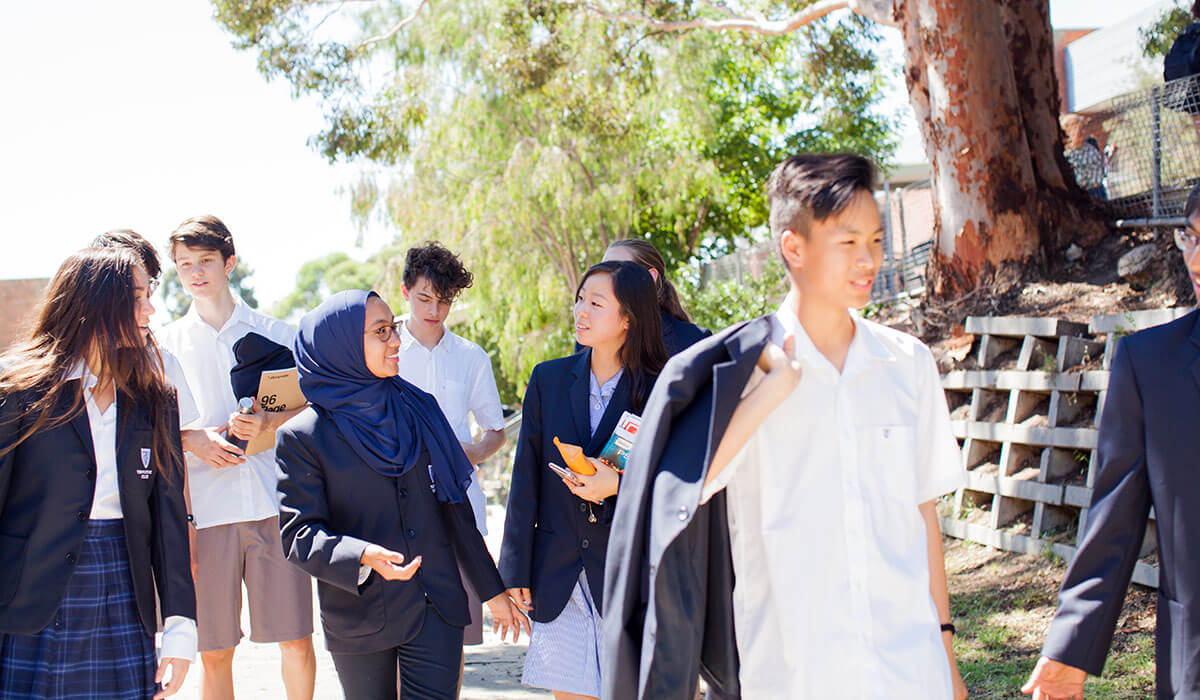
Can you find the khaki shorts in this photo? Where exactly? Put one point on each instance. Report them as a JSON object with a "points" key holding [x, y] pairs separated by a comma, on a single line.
{"points": [[280, 593], [472, 633]]}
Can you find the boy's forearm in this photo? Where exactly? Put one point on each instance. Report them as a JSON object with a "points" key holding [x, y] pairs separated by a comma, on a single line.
{"points": [[938, 589], [750, 413], [487, 446]]}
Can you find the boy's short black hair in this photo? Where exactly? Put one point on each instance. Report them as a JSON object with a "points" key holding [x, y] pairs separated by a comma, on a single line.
{"points": [[131, 240], [813, 187], [203, 233], [443, 269]]}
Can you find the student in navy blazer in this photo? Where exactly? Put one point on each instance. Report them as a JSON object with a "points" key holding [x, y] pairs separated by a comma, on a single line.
{"points": [[1148, 456], [92, 517], [556, 531], [372, 502]]}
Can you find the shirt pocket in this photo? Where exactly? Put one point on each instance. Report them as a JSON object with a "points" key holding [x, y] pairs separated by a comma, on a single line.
{"points": [[888, 456], [454, 400]]}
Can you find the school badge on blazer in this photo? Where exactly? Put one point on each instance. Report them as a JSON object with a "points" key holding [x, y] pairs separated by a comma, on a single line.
{"points": [[145, 471]]}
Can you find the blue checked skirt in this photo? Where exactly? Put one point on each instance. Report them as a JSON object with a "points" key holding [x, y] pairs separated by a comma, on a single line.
{"points": [[96, 647], [564, 654]]}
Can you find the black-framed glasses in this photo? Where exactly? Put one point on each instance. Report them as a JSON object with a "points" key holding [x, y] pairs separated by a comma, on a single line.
{"points": [[384, 332], [1186, 239]]}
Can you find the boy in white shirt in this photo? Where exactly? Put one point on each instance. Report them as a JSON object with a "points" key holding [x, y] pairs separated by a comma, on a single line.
{"points": [[795, 552], [233, 497], [456, 371]]}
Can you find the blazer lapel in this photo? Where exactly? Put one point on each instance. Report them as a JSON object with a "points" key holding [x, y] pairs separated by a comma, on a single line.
{"points": [[578, 398], [621, 401], [1196, 341], [729, 378], [82, 427]]}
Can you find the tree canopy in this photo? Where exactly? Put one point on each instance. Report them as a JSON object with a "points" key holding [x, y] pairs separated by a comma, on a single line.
{"points": [[529, 134]]}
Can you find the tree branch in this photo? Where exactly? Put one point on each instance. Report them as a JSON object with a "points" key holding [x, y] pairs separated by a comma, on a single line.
{"points": [[879, 11], [395, 28]]}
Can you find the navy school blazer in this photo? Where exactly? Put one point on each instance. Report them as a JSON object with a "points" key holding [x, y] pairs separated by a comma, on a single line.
{"points": [[669, 580], [47, 485], [1148, 455], [547, 536], [332, 505]]}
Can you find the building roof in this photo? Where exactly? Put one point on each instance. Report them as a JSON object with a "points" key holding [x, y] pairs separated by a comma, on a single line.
{"points": [[18, 299]]}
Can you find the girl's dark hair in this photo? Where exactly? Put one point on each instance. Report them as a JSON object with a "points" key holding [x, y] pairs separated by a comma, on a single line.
{"points": [[89, 310], [1196, 10], [135, 242], [643, 353], [646, 255], [1192, 207]]}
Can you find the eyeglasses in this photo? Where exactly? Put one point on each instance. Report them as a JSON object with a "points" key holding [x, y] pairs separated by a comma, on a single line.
{"points": [[1186, 239], [384, 332]]}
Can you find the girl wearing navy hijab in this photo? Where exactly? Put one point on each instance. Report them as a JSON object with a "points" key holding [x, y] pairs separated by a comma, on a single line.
{"points": [[372, 502]]}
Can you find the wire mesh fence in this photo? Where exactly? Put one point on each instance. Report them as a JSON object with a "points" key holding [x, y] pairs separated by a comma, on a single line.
{"points": [[1151, 143], [907, 219]]}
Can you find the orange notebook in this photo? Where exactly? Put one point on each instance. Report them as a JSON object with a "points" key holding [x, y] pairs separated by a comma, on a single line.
{"points": [[573, 456]]}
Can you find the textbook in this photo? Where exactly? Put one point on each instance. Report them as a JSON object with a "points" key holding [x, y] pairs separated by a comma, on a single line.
{"points": [[616, 450], [278, 390]]}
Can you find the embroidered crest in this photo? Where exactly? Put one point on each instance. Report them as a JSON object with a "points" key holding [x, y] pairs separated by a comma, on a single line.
{"points": [[145, 471]]}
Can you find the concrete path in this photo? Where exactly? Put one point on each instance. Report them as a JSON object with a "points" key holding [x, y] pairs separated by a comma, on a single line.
{"points": [[492, 672]]}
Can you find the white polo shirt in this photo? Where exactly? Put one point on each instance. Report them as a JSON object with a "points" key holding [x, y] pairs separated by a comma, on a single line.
{"points": [[459, 375], [246, 492], [822, 508]]}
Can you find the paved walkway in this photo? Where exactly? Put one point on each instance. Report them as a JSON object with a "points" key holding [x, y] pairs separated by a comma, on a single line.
{"points": [[492, 672]]}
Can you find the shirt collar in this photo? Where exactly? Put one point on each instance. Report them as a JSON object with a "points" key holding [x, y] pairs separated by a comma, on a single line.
{"points": [[407, 339], [865, 345], [604, 390], [241, 313], [80, 371]]}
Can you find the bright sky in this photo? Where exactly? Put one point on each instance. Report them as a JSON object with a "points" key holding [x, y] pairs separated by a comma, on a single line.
{"points": [[138, 114]]}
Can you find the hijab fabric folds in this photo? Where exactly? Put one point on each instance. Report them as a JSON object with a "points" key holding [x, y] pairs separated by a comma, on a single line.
{"points": [[389, 423]]}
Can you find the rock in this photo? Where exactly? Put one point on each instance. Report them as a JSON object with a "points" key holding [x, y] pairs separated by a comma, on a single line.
{"points": [[1138, 265], [1074, 253]]}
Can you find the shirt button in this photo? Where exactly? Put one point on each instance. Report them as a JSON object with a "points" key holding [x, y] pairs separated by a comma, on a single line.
{"points": [[81, 515], [412, 532], [71, 557], [585, 544], [683, 513]]}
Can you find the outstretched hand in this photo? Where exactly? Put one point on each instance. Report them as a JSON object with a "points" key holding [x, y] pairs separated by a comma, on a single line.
{"points": [[506, 615], [1053, 680], [388, 564]]}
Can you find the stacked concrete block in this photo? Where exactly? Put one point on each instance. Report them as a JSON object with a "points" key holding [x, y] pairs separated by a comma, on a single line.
{"points": [[1026, 419]]}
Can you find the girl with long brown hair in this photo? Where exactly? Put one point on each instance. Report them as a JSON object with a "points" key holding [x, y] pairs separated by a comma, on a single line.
{"points": [[678, 330], [92, 516]]}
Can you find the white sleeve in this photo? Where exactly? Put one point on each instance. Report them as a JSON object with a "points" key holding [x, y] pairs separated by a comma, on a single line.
{"points": [[179, 638], [939, 461], [484, 399], [188, 413]]}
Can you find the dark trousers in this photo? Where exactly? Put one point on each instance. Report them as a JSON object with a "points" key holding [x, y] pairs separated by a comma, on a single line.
{"points": [[429, 666]]}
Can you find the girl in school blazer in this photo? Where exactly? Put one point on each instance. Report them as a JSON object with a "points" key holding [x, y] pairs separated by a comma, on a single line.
{"points": [[92, 516], [372, 502], [556, 530]]}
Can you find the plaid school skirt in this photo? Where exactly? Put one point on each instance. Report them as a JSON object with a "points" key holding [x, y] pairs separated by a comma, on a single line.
{"points": [[96, 646]]}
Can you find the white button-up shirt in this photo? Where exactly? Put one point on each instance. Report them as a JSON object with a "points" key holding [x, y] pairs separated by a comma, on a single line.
{"points": [[246, 492], [188, 413], [459, 375], [179, 638], [832, 596]]}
